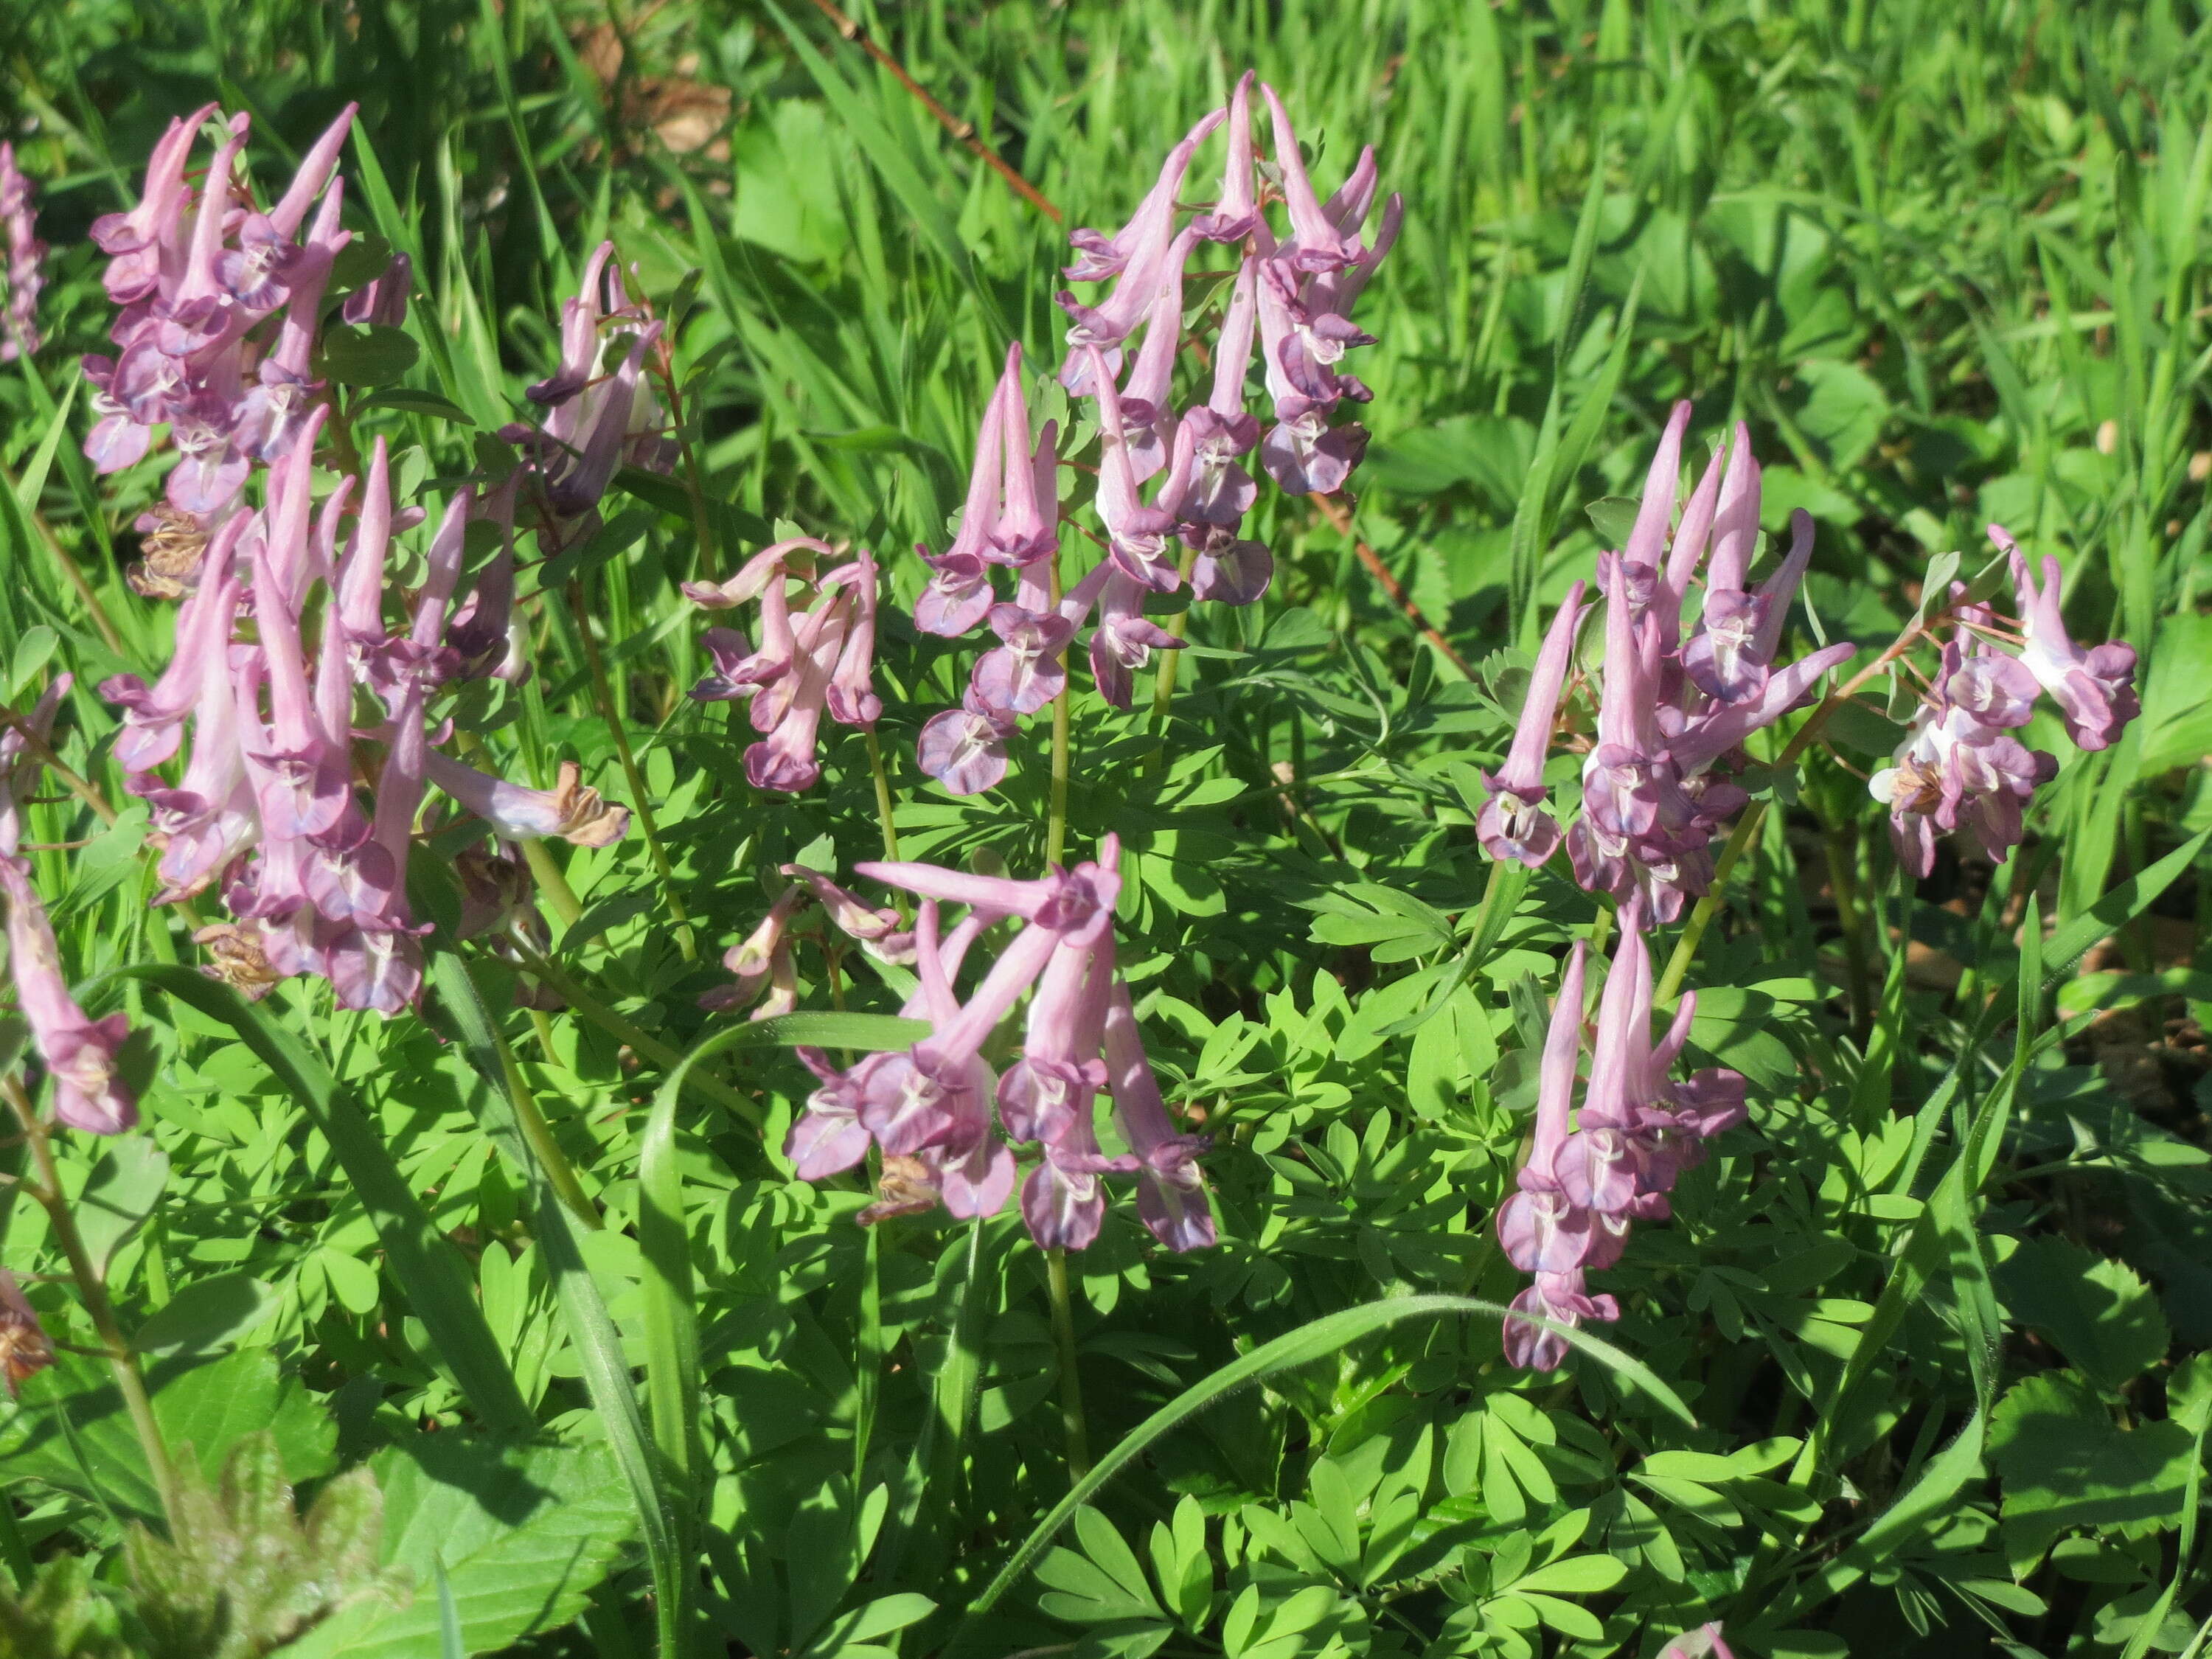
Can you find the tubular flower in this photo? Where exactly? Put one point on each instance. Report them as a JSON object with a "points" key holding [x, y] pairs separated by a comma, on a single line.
{"points": [[1672, 712], [1588, 1175], [80, 1053], [1514, 823], [1959, 767], [220, 303], [2094, 689], [929, 1109], [823, 661]]}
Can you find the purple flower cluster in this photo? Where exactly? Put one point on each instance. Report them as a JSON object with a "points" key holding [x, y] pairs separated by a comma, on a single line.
{"points": [[1289, 301], [822, 659], [598, 417], [1672, 711], [1590, 1174], [1959, 767], [220, 305], [269, 808], [765, 960], [1295, 290], [80, 1053], [27, 255], [929, 1109]]}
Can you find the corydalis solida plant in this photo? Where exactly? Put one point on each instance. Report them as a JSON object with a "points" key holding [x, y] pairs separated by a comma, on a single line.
{"points": [[304, 678], [929, 1110], [1676, 699], [820, 660], [1959, 767], [1591, 1173], [1289, 301]]}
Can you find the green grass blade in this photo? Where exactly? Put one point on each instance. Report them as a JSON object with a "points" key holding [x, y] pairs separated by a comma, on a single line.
{"points": [[938, 225], [1313, 1340], [590, 1330], [450, 1644], [2116, 909], [428, 1270]]}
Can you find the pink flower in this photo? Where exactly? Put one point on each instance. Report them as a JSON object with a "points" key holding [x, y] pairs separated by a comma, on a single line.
{"points": [[2094, 689], [1513, 823], [80, 1053]]}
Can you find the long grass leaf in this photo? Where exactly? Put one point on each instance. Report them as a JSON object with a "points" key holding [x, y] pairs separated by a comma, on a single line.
{"points": [[1315, 1339], [428, 1270]]}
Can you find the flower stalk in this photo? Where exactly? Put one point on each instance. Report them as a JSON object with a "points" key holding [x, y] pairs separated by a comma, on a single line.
{"points": [[45, 1189]]}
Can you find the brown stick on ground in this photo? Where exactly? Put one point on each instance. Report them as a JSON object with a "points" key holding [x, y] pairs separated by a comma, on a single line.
{"points": [[962, 131], [1334, 510]]}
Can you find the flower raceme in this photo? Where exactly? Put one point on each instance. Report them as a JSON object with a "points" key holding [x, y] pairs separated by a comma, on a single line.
{"points": [[1591, 1173], [600, 410], [219, 302], [1288, 301], [929, 1109], [819, 661], [308, 740], [1959, 766], [1672, 711]]}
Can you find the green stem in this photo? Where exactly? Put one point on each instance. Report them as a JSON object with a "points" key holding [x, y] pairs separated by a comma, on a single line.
{"points": [[883, 796], [703, 525], [603, 693], [560, 1173], [138, 1403], [1056, 829], [552, 882], [1164, 681], [1841, 844], [647, 1046], [1071, 1384], [1701, 916]]}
